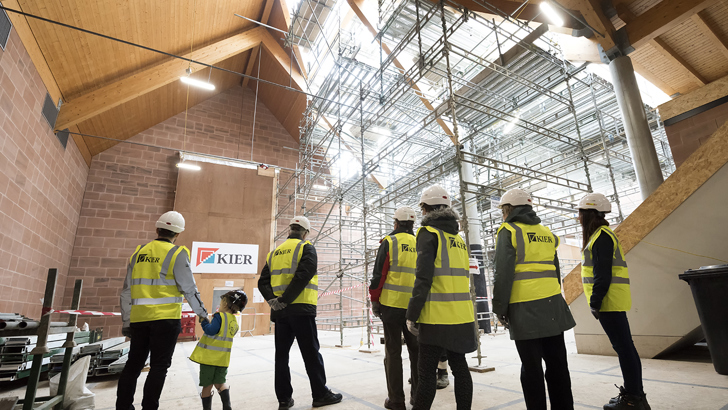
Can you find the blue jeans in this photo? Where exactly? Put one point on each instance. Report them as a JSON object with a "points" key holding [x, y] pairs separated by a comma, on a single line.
{"points": [[616, 327]]}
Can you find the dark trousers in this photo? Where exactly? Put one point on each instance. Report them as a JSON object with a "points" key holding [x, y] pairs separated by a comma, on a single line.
{"points": [[428, 359], [552, 351], [393, 332], [303, 330], [156, 339], [616, 327]]}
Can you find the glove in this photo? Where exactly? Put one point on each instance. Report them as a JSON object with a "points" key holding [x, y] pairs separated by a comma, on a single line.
{"points": [[504, 321], [276, 304], [126, 331], [412, 327], [376, 309], [204, 321], [595, 313]]}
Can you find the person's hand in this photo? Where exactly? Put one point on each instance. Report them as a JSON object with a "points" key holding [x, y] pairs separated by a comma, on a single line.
{"points": [[504, 321], [595, 313], [276, 304], [204, 321], [412, 327], [376, 309], [126, 331]]}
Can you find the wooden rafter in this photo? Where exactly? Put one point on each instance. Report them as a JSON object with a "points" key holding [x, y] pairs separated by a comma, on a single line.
{"points": [[254, 53], [530, 12], [720, 43], [113, 95], [668, 52]]}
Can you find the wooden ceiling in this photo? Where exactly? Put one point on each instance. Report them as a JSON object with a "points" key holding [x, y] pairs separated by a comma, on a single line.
{"points": [[115, 90]]}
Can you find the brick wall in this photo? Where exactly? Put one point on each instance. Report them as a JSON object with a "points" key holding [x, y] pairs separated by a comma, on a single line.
{"points": [[129, 186], [687, 135], [41, 188]]}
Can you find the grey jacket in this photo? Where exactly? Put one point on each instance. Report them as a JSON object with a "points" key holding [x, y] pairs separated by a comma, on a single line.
{"points": [[185, 284], [457, 338], [528, 320]]}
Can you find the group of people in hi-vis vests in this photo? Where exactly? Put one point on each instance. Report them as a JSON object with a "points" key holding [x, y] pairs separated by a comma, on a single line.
{"points": [[420, 290]]}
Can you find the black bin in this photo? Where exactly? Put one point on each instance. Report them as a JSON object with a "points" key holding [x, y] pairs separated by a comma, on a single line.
{"points": [[709, 285]]}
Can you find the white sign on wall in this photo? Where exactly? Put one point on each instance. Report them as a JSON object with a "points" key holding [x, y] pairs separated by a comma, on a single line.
{"points": [[213, 257]]}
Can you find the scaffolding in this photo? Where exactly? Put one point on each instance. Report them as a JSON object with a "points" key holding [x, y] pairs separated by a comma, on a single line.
{"points": [[434, 93]]}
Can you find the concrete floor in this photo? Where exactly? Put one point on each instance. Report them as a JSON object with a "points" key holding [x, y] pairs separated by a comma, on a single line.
{"points": [[360, 378]]}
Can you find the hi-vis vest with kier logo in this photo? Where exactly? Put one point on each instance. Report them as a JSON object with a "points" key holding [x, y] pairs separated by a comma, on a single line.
{"points": [[282, 263], [397, 289], [215, 350], [536, 276], [449, 300], [154, 293]]}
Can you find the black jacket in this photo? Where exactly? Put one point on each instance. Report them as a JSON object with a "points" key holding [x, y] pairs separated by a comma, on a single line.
{"points": [[304, 273], [602, 252], [379, 276], [528, 320], [457, 338]]}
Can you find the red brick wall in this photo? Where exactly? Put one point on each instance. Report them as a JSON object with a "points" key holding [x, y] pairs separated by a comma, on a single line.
{"points": [[41, 188], [687, 135], [129, 186]]}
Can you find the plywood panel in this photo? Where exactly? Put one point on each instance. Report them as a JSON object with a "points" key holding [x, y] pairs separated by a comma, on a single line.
{"points": [[711, 92]]}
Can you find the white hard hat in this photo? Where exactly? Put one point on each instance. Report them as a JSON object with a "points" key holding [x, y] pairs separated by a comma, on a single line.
{"points": [[405, 214], [302, 221], [435, 195], [595, 201], [516, 197], [171, 221]]}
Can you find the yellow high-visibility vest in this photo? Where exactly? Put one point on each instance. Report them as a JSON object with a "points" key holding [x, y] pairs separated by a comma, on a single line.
{"points": [[535, 276], [618, 297], [449, 301], [154, 293], [282, 263], [397, 289], [215, 350]]}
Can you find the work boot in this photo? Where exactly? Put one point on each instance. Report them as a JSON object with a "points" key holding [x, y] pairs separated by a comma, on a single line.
{"points": [[225, 397], [206, 402], [394, 406], [442, 379], [627, 401], [329, 398], [285, 405]]}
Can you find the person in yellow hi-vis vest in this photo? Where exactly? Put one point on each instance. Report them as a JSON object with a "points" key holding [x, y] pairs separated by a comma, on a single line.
{"points": [[289, 283], [440, 312], [527, 298], [606, 287], [213, 350], [390, 291], [158, 278]]}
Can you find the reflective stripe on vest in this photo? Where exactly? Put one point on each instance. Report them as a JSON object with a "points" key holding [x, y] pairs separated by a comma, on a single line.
{"points": [[215, 350], [618, 297], [282, 263], [397, 289], [535, 272], [154, 290], [449, 301]]}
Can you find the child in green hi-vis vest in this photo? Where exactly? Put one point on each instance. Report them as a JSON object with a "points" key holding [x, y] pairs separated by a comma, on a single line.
{"points": [[213, 349]]}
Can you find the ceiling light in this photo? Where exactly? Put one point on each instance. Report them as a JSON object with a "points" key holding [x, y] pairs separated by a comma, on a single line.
{"points": [[551, 13], [186, 165], [197, 83]]}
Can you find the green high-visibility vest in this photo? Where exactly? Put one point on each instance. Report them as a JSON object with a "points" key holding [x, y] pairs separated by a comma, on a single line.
{"points": [[449, 301], [154, 293], [618, 297], [536, 276], [282, 263], [397, 289]]}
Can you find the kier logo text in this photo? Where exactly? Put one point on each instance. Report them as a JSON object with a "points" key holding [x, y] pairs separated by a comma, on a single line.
{"points": [[211, 256]]}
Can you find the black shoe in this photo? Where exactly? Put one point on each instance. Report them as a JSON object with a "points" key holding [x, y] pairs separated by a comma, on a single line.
{"points": [[329, 398], [393, 406], [225, 397], [285, 405], [626, 401], [442, 380]]}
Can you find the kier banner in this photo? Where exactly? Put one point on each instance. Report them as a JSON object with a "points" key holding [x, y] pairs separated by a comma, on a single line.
{"points": [[213, 257]]}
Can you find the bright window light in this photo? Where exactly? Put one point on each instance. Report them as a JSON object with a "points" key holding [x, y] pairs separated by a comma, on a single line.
{"points": [[509, 127], [349, 166], [552, 15], [197, 83], [321, 187], [186, 165]]}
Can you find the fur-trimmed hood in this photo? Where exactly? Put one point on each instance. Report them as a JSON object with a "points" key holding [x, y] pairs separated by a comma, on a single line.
{"points": [[445, 219]]}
